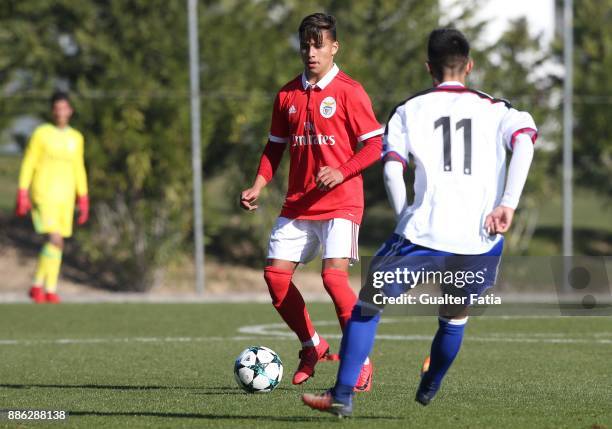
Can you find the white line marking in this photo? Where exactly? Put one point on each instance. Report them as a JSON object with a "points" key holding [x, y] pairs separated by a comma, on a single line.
{"points": [[288, 336], [279, 332], [69, 341]]}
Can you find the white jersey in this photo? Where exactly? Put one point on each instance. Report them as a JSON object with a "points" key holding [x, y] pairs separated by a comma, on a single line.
{"points": [[458, 139]]}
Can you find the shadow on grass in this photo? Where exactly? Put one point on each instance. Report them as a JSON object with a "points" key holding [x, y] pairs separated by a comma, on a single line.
{"points": [[18, 233], [209, 416], [222, 390]]}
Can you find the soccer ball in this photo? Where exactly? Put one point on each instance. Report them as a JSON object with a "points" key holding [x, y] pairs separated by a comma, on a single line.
{"points": [[258, 370]]}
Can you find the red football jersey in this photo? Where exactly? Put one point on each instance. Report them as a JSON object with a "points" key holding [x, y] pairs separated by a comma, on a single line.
{"points": [[322, 123]]}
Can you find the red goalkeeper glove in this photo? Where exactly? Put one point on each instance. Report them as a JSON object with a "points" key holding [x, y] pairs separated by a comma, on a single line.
{"points": [[83, 205], [23, 205]]}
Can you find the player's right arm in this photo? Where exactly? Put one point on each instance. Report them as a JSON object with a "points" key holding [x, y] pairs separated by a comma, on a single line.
{"points": [[270, 158], [26, 173], [249, 196], [395, 158]]}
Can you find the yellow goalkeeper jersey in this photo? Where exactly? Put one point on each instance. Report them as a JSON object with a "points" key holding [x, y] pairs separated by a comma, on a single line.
{"points": [[54, 166]]}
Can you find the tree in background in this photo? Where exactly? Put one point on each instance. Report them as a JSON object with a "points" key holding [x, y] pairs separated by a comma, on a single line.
{"points": [[128, 76], [593, 94], [126, 63], [511, 68]]}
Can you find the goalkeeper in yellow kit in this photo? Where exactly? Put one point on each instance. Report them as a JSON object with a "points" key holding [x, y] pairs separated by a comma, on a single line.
{"points": [[53, 173]]}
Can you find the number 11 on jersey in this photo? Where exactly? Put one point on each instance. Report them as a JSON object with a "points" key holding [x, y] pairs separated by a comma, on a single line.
{"points": [[466, 124]]}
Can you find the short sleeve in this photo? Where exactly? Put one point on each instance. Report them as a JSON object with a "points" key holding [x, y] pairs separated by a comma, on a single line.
{"points": [[514, 123], [279, 130], [395, 140], [361, 117]]}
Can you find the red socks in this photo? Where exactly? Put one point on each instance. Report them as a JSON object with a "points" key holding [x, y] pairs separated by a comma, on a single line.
{"points": [[337, 286], [290, 305], [289, 302]]}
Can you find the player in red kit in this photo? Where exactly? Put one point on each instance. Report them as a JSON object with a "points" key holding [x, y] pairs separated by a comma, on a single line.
{"points": [[321, 115]]}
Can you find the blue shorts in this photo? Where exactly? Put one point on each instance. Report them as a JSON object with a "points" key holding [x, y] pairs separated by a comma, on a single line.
{"points": [[400, 265]]}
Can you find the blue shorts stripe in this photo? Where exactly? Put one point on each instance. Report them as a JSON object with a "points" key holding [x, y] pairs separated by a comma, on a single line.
{"points": [[399, 252]]}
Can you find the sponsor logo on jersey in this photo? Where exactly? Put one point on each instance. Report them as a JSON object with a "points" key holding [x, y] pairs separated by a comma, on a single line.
{"points": [[320, 139], [311, 137], [292, 109], [328, 107]]}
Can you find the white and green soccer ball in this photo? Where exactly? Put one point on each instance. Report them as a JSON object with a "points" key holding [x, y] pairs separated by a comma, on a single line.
{"points": [[258, 370]]}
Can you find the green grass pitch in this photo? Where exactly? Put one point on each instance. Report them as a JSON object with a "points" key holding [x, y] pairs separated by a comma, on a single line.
{"points": [[170, 365]]}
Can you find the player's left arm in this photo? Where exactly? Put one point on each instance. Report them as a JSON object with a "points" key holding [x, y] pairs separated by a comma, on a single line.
{"points": [[364, 125], [80, 175], [521, 142]]}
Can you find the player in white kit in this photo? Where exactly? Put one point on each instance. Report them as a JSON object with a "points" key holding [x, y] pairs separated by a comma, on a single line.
{"points": [[464, 201]]}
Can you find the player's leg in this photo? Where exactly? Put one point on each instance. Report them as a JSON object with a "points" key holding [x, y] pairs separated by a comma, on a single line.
{"points": [[37, 292], [340, 239], [336, 281], [444, 348], [292, 242], [359, 335], [47, 220], [334, 272], [287, 299], [357, 343], [453, 319], [54, 250], [47, 271], [64, 213]]}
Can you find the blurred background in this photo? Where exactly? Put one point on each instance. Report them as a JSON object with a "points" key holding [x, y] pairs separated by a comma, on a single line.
{"points": [[126, 66]]}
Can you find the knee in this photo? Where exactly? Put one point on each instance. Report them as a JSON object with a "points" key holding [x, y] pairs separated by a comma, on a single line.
{"points": [[336, 264], [453, 312], [363, 313], [278, 281], [57, 240], [334, 278]]}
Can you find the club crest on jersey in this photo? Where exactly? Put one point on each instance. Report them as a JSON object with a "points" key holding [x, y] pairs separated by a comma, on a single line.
{"points": [[328, 107]]}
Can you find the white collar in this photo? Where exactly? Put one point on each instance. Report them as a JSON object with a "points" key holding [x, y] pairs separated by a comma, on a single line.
{"points": [[326, 80], [451, 83]]}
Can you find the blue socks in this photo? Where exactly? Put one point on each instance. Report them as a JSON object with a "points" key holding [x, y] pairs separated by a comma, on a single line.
{"points": [[444, 349], [357, 342]]}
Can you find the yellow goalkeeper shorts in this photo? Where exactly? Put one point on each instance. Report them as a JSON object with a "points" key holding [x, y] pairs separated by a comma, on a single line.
{"points": [[53, 217]]}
